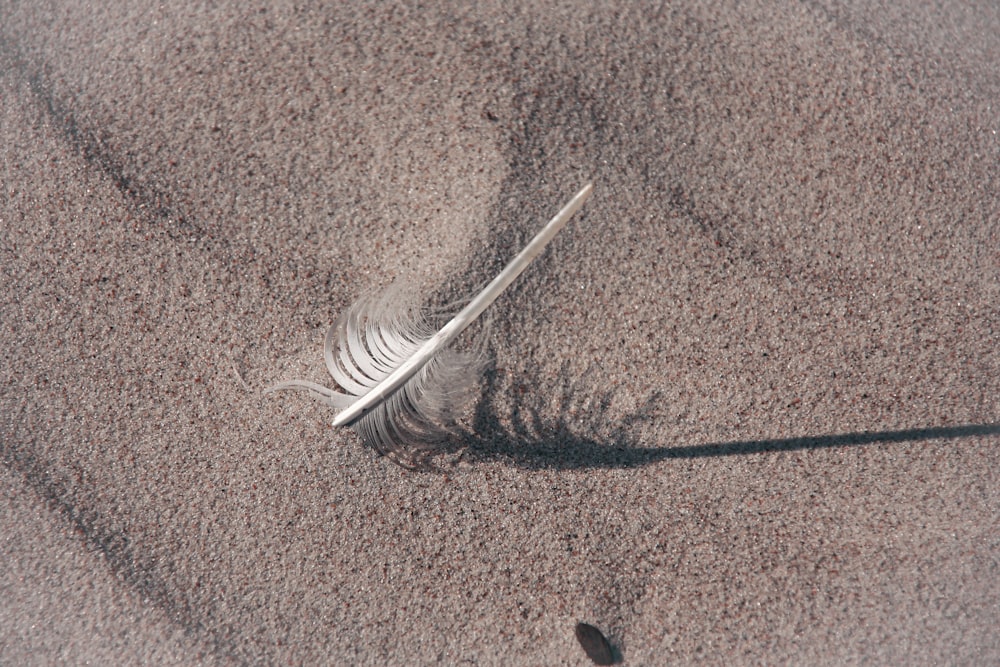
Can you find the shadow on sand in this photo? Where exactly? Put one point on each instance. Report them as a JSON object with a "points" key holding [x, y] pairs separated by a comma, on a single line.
{"points": [[532, 443]]}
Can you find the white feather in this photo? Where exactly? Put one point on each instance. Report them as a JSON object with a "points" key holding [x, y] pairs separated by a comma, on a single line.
{"points": [[403, 385]]}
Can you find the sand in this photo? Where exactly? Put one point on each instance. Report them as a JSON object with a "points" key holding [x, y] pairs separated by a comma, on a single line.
{"points": [[743, 410]]}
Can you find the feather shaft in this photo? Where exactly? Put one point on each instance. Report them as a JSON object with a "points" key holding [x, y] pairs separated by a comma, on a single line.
{"points": [[387, 387]]}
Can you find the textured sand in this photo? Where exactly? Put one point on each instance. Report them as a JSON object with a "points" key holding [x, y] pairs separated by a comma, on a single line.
{"points": [[743, 410]]}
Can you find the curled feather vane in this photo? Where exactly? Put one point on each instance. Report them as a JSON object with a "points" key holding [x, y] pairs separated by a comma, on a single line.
{"points": [[403, 384]]}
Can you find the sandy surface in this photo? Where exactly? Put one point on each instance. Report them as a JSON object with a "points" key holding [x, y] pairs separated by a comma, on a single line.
{"points": [[743, 410]]}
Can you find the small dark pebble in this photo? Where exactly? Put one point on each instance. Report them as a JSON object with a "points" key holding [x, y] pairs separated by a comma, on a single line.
{"points": [[594, 644]]}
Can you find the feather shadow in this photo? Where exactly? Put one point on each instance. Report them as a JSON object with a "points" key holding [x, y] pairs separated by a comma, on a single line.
{"points": [[533, 443]]}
